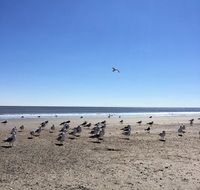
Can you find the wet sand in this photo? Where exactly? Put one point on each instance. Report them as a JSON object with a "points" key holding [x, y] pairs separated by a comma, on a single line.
{"points": [[143, 162]]}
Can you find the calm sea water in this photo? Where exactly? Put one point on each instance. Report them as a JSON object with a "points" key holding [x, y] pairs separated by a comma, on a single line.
{"points": [[32, 111]]}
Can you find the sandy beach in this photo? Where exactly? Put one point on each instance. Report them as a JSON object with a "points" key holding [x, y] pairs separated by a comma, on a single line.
{"points": [[143, 162]]}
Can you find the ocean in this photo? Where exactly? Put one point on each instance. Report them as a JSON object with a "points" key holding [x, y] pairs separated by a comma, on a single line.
{"points": [[35, 111]]}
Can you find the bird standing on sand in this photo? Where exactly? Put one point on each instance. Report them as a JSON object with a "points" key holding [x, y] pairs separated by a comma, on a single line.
{"points": [[4, 122], [101, 134], [32, 134], [21, 128], [61, 138], [148, 129], [126, 131], [150, 123], [181, 131], [191, 122], [122, 121], [88, 125], [115, 70], [14, 130], [162, 136], [38, 131], [11, 139], [52, 129], [139, 122]]}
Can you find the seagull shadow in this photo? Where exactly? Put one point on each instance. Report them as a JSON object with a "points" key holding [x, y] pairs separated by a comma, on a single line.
{"points": [[4, 146], [96, 142], [72, 138], [162, 140], [58, 144], [30, 138]]}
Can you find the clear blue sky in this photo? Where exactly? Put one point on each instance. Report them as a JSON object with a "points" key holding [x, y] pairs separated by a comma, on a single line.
{"points": [[61, 52]]}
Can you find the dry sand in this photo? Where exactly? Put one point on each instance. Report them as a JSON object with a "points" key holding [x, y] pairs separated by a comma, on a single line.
{"points": [[143, 162]]}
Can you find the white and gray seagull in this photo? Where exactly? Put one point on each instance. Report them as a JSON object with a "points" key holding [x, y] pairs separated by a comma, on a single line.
{"points": [[162, 136], [11, 139], [115, 70]]}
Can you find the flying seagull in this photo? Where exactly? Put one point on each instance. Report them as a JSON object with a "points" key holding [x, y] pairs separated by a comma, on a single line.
{"points": [[115, 70]]}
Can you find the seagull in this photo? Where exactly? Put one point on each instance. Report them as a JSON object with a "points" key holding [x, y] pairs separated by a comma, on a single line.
{"points": [[79, 129], [126, 128], [150, 116], [4, 122], [61, 138], [21, 128], [14, 130], [162, 136], [100, 135], [139, 122], [127, 133], [74, 132], [103, 122], [84, 123], [52, 129], [115, 70], [148, 129], [150, 123], [88, 125], [64, 128], [95, 130], [32, 134], [122, 121], [11, 139], [38, 131], [191, 122], [181, 131]]}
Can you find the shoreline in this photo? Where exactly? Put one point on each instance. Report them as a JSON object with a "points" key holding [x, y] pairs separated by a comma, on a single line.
{"points": [[127, 114]]}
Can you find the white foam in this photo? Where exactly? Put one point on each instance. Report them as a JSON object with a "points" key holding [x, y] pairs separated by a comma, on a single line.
{"points": [[47, 115]]}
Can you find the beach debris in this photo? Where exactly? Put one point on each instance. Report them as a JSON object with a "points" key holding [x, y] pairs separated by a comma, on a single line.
{"points": [[162, 136], [114, 69], [11, 139]]}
